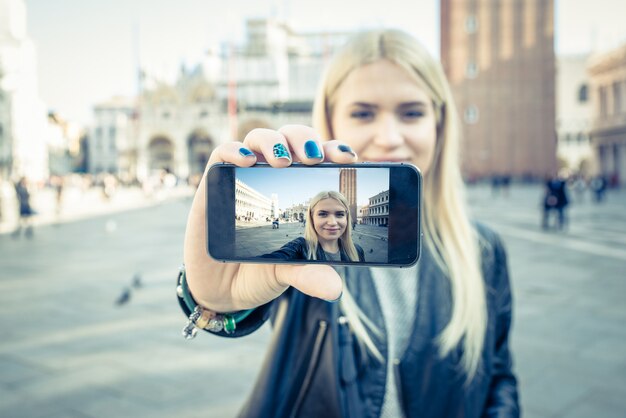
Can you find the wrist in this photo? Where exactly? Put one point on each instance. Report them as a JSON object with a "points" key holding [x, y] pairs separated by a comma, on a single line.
{"points": [[204, 318]]}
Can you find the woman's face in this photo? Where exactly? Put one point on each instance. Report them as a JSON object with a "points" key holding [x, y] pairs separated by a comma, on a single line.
{"points": [[329, 220], [382, 113]]}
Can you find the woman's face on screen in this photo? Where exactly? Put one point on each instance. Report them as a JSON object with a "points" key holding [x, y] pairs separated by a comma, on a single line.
{"points": [[330, 220]]}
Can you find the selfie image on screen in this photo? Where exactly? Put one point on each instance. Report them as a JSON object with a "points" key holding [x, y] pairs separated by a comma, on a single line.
{"points": [[350, 205]]}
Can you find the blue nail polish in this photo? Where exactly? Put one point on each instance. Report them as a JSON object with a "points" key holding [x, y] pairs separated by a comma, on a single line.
{"points": [[345, 148], [245, 152], [280, 151], [311, 150]]}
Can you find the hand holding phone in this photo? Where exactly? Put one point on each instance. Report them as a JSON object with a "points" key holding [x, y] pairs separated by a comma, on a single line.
{"points": [[228, 287]]}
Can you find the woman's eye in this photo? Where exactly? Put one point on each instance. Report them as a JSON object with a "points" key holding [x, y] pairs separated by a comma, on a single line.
{"points": [[341, 215], [412, 114], [362, 114]]}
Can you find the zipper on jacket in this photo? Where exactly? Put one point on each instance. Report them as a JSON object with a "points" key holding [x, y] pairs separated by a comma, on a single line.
{"points": [[317, 346]]}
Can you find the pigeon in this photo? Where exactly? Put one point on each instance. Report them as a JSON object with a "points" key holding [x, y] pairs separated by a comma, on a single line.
{"points": [[137, 283], [371, 250], [123, 298]]}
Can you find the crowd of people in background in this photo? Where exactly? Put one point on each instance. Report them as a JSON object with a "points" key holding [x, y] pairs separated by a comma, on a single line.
{"points": [[20, 198], [555, 198], [556, 193]]}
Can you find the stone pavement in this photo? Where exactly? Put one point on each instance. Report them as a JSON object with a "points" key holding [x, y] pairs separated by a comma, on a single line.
{"points": [[569, 287], [68, 350], [254, 241]]}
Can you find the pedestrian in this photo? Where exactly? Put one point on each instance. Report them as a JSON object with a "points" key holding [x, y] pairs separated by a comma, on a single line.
{"points": [[431, 340], [328, 235], [58, 183], [26, 211], [496, 182], [505, 182], [109, 184], [1, 200], [598, 186], [579, 186], [555, 200]]}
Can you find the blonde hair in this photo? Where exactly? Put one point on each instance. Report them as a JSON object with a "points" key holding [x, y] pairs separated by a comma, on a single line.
{"points": [[448, 233], [345, 240]]}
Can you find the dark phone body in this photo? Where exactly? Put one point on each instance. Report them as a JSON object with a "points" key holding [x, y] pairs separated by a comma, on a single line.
{"points": [[244, 224]]}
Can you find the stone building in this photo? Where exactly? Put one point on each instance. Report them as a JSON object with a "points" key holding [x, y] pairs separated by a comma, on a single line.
{"points": [[179, 126], [112, 139], [250, 205], [297, 212], [607, 75], [347, 187], [499, 59], [573, 114], [377, 210], [267, 82], [23, 116]]}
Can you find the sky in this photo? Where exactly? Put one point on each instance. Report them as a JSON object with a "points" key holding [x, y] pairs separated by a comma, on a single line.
{"points": [[88, 50], [301, 184]]}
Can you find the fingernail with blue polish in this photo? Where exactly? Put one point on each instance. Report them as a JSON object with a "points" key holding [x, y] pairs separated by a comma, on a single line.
{"points": [[245, 152], [345, 148], [280, 151], [311, 150], [336, 300]]}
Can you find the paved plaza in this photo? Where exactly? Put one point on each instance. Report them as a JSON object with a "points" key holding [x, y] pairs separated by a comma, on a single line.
{"points": [[91, 327], [258, 240]]}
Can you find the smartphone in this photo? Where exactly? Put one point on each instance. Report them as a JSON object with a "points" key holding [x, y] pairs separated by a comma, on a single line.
{"points": [[353, 214]]}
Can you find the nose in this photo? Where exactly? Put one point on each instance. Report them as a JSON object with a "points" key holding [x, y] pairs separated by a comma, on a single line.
{"points": [[389, 133]]}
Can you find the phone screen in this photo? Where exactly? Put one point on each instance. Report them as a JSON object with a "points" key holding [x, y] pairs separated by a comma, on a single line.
{"points": [[328, 213]]}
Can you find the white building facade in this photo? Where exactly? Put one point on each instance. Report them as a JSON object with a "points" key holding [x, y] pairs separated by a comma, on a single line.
{"points": [[250, 205], [573, 110], [112, 147], [269, 81], [23, 115], [179, 126], [377, 211], [607, 74]]}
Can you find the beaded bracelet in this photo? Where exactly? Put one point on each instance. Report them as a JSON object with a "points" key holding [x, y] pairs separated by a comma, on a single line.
{"points": [[202, 318]]}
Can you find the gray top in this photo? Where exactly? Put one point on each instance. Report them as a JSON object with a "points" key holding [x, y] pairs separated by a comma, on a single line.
{"points": [[333, 256], [397, 293]]}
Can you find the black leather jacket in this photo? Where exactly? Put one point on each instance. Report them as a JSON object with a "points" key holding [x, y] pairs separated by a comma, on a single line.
{"points": [[296, 250], [315, 367]]}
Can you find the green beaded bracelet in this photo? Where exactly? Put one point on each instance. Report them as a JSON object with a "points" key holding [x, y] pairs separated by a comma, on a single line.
{"points": [[202, 318]]}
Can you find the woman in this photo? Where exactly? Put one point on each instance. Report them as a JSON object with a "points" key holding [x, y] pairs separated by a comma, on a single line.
{"points": [[429, 341], [328, 233], [26, 211]]}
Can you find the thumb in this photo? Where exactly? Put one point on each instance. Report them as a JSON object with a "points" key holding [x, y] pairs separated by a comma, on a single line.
{"points": [[319, 281]]}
